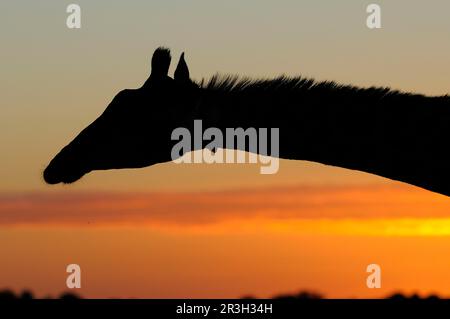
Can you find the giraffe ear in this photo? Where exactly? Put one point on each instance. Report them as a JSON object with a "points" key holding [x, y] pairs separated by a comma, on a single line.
{"points": [[160, 63], [182, 70]]}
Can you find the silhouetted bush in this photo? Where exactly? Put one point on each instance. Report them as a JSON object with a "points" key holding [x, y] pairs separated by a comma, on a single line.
{"points": [[300, 295], [415, 296], [8, 294]]}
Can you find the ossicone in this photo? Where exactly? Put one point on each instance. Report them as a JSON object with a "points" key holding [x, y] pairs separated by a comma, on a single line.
{"points": [[182, 70]]}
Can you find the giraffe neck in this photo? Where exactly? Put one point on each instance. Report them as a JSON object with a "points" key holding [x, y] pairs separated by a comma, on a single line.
{"points": [[395, 135]]}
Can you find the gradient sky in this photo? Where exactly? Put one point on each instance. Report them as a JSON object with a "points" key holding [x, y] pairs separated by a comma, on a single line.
{"points": [[177, 230]]}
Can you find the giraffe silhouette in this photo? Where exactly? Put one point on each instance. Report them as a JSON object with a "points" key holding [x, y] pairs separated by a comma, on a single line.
{"points": [[401, 136]]}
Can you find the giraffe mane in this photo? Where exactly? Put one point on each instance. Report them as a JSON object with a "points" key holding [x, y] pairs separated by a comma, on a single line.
{"points": [[289, 85]]}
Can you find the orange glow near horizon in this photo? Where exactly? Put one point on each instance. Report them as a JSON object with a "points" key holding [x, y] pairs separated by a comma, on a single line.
{"points": [[257, 242]]}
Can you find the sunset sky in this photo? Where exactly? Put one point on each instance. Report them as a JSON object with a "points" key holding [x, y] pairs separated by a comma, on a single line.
{"points": [[203, 230]]}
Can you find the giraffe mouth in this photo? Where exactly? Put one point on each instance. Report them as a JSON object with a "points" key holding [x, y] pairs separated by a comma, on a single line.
{"points": [[52, 179], [59, 172]]}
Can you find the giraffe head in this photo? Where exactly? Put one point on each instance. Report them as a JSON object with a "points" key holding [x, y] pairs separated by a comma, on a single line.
{"points": [[135, 129]]}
